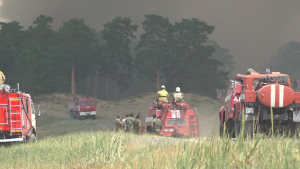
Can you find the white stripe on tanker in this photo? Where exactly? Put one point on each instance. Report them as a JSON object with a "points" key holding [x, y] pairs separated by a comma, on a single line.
{"points": [[281, 95], [273, 95]]}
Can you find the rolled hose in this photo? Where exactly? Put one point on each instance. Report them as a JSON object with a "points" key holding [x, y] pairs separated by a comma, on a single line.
{"points": [[280, 79]]}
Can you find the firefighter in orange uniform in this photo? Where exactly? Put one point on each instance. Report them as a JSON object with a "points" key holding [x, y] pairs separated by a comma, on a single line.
{"points": [[2, 78]]}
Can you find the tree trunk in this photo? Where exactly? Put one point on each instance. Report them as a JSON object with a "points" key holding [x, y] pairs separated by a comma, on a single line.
{"points": [[60, 85], [96, 84], [103, 88], [115, 91], [157, 79], [73, 79], [87, 83], [106, 85]]}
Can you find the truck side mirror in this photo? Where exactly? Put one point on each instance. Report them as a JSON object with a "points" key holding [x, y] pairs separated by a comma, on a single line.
{"points": [[39, 111], [219, 94], [296, 84], [232, 86]]}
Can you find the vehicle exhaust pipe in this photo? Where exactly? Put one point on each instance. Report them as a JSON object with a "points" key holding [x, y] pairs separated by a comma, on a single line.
{"points": [[18, 87]]}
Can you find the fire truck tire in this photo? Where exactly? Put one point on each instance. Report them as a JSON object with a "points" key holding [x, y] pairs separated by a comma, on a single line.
{"points": [[74, 115], [71, 114], [221, 129], [229, 130], [237, 125], [297, 129], [78, 117], [280, 79], [248, 129], [32, 138], [93, 117]]}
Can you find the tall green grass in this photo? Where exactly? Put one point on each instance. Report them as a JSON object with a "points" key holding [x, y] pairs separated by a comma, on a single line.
{"points": [[122, 150]]}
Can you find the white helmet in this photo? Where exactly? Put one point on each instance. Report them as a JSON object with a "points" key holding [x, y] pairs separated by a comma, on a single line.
{"points": [[177, 89], [163, 86]]}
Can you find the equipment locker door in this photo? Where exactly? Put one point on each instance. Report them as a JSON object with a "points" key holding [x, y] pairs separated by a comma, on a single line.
{"points": [[3, 114]]}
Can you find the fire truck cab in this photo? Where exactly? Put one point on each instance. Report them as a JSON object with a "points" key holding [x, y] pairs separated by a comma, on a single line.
{"points": [[258, 99], [82, 107], [17, 116]]}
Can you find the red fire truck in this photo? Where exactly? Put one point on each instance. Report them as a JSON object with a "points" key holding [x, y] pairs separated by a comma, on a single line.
{"points": [[17, 116], [178, 119], [82, 107], [259, 99]]}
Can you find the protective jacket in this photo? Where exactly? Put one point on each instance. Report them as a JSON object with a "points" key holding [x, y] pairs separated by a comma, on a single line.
{"points": [[129, 124], [124, 124], [163, 95], [137, 126], [178, 97], [2, 78], [156, 125], [118, 126]]}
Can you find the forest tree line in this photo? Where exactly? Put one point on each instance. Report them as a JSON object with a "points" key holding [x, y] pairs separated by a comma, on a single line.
{"points": [[78, 59]]}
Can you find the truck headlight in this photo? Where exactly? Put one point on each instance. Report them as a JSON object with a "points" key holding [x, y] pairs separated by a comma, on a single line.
{"points": [[169, 130]]}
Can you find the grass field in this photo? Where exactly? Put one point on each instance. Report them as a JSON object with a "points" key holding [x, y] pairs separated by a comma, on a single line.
{"points": [[121, 150], [69, 143]]}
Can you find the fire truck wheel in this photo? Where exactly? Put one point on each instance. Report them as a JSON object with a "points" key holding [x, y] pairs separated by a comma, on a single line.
{"points": [[71, 114], [78, 117], [74, 115], [297, 129], [93, 117], [221, 129], [32, 138], [248, 129], [237, 125]]}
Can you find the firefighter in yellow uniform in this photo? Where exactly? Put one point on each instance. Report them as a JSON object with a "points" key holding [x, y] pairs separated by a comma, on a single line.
{"points": [[163, 95], [2, 78]]}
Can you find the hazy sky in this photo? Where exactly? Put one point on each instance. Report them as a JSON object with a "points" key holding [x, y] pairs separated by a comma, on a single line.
{"points": [[250, 29]]}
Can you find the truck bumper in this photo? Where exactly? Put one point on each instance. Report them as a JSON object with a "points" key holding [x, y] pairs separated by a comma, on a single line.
{"points": [[11, 140]]}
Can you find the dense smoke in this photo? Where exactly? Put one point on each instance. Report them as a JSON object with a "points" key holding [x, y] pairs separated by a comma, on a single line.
{"points": [[251, 30]]}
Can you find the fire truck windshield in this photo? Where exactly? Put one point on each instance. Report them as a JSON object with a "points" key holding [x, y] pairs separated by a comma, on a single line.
{"points": [[87, 102]]}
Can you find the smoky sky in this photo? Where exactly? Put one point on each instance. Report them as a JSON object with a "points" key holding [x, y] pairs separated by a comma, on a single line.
{"points": [[252, 30]]}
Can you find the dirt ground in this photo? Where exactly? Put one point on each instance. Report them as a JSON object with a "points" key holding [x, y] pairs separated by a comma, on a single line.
{"points": [[55, 119]]}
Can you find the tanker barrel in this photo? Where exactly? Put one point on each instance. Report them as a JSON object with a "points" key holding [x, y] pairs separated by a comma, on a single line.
{"points": [[240, 77]]}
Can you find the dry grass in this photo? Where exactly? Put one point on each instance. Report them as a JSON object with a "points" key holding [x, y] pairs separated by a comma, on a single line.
{"points": [[123, 150]]}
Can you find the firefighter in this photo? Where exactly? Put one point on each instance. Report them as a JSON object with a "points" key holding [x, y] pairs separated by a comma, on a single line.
{"points": [[163, 95], [177, 96], [118, 123], [129, 123], [2, 78], [124, 122], [137, 125], [156, 125], [250, 70]]}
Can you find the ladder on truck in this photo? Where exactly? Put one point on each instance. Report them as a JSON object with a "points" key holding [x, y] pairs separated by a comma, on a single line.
{"points": [[15, 111]]}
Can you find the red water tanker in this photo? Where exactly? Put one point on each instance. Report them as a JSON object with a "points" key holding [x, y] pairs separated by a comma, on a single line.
{"points": [[255, 98], [17, 116], [177, 119]]}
